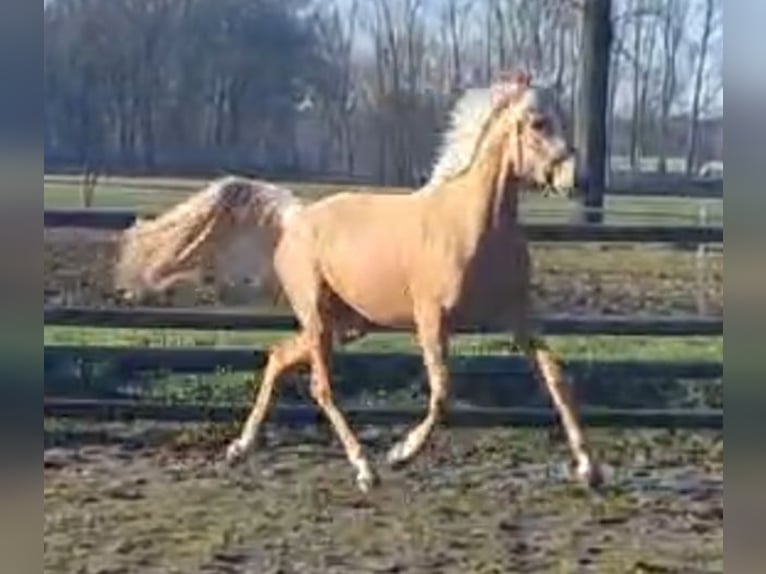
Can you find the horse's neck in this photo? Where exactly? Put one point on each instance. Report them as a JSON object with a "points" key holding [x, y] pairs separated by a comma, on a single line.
{"points": [[487, 190]]}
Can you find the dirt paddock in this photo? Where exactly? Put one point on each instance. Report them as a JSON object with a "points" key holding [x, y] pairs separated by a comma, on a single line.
{"points": [[139, 498]]}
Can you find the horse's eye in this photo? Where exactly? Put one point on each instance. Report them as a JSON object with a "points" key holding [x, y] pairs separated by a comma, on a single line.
{"points": [[540, 124]]}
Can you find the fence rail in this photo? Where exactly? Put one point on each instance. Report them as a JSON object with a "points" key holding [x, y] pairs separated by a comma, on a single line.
{"points": [[693, 188], [116, 220], [210, 359], [175, 318], [639, 185]]}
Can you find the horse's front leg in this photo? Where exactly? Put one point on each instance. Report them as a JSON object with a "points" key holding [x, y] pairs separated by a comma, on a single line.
{"points": [[541, 356], [433, 339]]}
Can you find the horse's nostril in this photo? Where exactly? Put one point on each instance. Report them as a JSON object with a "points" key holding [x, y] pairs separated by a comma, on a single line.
{"points": [[549, 176]]}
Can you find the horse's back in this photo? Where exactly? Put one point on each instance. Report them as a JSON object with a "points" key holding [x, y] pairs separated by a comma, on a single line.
{"points": [[359, 245]]}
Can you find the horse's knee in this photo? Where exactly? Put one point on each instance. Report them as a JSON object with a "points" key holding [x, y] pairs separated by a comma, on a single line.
{"points": [[275, 358], [286, 353], [320, 391], [440, 393]]}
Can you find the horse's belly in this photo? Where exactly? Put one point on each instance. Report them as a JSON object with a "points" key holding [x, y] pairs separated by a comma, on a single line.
{"points": [[374, 285]]}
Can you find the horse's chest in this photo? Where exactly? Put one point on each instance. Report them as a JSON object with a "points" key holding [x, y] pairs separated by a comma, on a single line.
{"points": [[494, 278]]}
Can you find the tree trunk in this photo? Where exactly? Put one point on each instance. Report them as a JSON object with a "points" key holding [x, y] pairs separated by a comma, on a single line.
{"points": [[502, 41], [643, 113], [672, 33], [691, 154], [457, 68], [488, 33], [636, 115], [614, 82]]}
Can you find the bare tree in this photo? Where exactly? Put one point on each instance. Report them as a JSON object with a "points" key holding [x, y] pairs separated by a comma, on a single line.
{"points": [[337, 94], [540, 37], [620, 26], [232, 84], [399, 38], [701, 50], [673, 23], [644, 17], [455, 14], [638, 31]]}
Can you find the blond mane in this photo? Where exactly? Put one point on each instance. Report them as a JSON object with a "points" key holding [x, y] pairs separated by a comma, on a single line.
{"points": [[467, 124]]}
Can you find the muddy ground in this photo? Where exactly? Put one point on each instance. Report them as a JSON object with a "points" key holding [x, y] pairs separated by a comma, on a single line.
{"points": [[123, 499]]}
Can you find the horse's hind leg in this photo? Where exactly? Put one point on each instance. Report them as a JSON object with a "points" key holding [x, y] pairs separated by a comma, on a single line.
{"points": [[548, 365], [433, 339], [321, 390], [285, 355]]}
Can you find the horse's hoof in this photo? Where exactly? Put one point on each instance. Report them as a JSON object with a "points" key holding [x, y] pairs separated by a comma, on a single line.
{"points": [[590, 474], [235, 453], [367, 481], [398, 456], [366, 478]]}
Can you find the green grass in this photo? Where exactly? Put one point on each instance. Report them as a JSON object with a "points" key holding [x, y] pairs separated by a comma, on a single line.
{"points": [[570, 347], [225, 386], [68, 196], [149, 195]]}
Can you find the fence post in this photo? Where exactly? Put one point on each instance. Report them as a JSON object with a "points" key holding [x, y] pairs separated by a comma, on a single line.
{"points": [[590, 118]]}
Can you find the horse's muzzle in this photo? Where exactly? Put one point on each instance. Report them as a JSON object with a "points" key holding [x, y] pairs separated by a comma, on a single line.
{"points": [[560, 177]]}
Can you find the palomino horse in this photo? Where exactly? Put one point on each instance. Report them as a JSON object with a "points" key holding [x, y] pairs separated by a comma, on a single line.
{"points": [[449, 255]]}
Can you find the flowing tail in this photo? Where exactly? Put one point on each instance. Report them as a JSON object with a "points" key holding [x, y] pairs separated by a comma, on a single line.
{"points": [[232, 225]]}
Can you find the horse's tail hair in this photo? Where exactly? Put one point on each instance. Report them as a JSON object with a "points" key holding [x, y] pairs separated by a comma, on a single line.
{"points": [[199, 234]]}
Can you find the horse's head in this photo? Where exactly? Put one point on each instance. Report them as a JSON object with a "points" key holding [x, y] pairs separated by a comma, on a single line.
{"points": [[542, 156]]}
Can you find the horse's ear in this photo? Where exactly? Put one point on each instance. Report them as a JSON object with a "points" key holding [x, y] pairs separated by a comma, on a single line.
{"points": [[500, 94], [511, 85], [524, 79], [519, 78]]}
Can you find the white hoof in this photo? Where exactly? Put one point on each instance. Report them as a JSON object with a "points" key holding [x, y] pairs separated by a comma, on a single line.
{"points": [[398, 454], [236, 452], [366, 478]]}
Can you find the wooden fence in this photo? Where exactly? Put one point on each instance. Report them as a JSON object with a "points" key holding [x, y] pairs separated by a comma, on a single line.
{"points": [[197, 359], [638, 185], [213, 319], [358, 368], [117, 219], [646, 185]]}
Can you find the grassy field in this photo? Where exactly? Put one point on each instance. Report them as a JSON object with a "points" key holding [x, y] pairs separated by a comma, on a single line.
{"points": [[150, 195], [573, 347]]}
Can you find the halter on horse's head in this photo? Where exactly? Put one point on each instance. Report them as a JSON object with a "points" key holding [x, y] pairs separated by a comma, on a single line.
{"points": [[544, 158]]}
